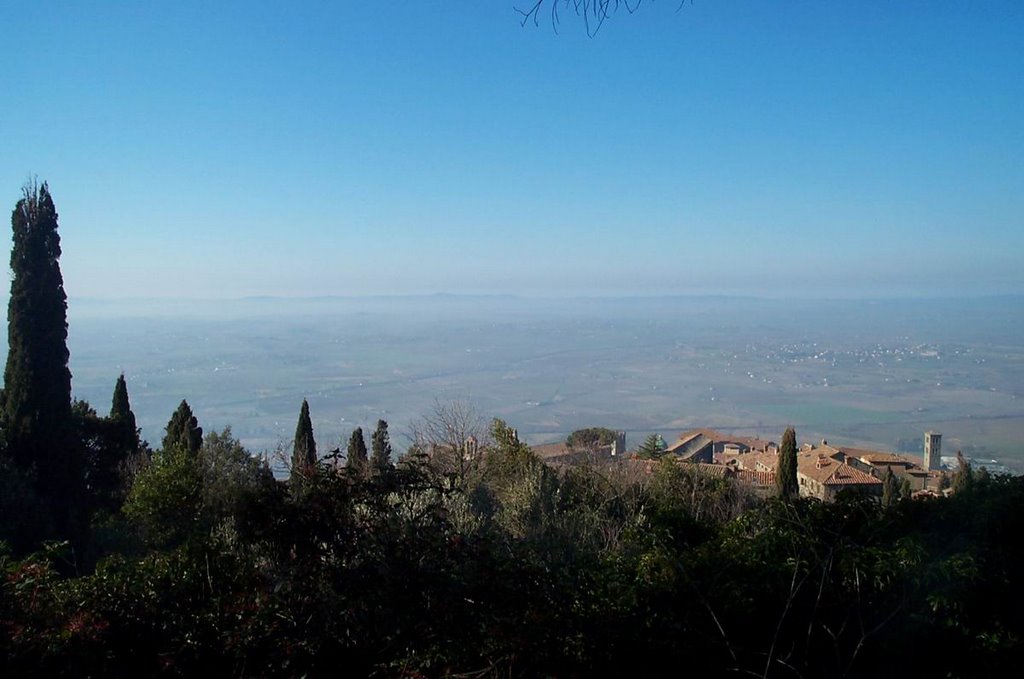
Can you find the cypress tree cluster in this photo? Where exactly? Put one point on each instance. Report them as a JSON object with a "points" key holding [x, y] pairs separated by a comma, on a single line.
{"points": [[785, 474]]}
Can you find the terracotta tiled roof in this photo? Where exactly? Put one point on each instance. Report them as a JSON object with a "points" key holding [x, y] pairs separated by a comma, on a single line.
{"points": [[646, 467], [689, 437], [707, 469], [831, 472], [719, 471], [750, 461], [879, 457], [755, 478], [828, 451], [750, 442], [551, 449]]}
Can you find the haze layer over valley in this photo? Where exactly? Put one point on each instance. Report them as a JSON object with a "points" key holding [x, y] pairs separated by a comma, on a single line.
{"points": [[875, 373]]}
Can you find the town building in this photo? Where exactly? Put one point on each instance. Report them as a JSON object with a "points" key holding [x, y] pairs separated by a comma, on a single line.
{"points": [[822, 475], [703, 445]]}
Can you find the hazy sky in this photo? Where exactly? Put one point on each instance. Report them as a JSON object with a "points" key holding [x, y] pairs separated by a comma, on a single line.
{"points": [[224, 149]]}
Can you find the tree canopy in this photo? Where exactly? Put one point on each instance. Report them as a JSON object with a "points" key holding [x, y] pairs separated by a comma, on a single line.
{"points": [[183, 430], [589, 438]]}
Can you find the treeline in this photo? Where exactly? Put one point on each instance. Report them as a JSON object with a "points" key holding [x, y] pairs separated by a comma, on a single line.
{"points": [[510, 567], [468, 556]]}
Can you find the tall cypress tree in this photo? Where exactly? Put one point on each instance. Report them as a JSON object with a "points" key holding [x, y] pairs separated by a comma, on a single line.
{"points": [[963, 479], [381, 443], [123, 418], [183, 431], [357, 462], [36, 401], [120, 407], [785, 473], [304, 451], [890, 488]]}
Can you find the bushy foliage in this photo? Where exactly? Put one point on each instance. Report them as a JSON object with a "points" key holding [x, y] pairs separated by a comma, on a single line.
{"points": [[231, 477], [23, 515], [180, 497], [106, 451], [590, 438], [165, 499], [526, 570]]}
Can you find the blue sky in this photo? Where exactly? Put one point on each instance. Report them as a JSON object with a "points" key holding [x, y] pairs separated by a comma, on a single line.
{"points": [[812, 148]]}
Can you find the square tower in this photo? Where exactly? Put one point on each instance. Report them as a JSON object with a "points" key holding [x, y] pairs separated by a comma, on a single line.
{"points": [[932, 450]]}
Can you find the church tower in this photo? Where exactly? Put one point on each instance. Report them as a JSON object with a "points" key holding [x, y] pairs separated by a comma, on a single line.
{"points": [[932, 450]]}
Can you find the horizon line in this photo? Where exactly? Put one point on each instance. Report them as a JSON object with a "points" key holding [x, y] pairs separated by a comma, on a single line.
{"points": [[558, 297]]}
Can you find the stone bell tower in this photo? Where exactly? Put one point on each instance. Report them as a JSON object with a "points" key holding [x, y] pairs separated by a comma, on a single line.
{"points": [[932, 450]]}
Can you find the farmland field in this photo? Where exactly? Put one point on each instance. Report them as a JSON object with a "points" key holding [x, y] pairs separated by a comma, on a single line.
{"points": [[855, 372]]}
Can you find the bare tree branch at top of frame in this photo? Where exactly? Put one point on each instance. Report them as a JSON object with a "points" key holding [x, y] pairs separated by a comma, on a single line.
{"points": [[593, 12]]}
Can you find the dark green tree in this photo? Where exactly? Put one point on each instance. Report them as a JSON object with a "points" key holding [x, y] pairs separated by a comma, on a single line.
{"points": [[906, 491], [652, 448], [890, 488], [165, 499], [120, 407], [785, 472], [381, 444], [963, 480], [357, 458], [121, 414], [304, 449], [183, 430], [108, 444], [590, 438], [102, 443], [36, 400], [515, 481], [232, 477]]}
